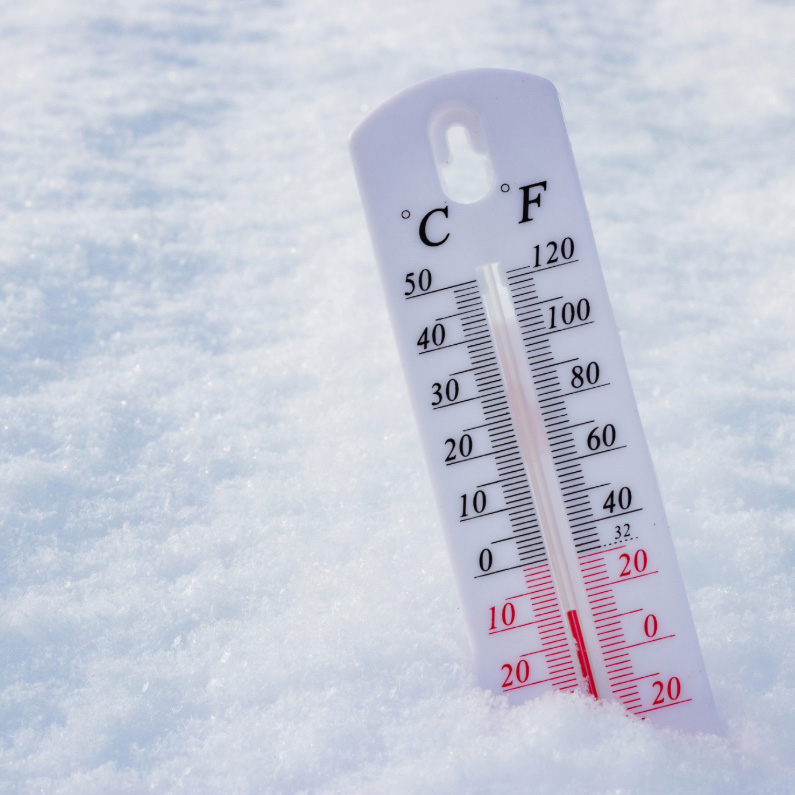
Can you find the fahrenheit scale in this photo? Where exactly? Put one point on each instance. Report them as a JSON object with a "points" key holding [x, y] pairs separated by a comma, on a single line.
{"points": [[553, 518]]}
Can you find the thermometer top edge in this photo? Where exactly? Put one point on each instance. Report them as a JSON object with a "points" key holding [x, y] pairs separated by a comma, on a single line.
{"points": [[447, 88]]}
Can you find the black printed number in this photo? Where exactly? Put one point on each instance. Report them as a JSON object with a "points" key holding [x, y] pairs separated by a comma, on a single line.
{"points": [[422, 283], [476, 503], [449, 391], [485, 560], [462, 448], [618, 499], [431, 336], [604, 438], [622, 532], [565, 248], [569, 312], [584, 375]]}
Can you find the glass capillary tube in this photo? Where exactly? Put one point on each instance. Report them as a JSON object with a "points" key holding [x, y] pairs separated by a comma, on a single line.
{"points": [[528, 426]]}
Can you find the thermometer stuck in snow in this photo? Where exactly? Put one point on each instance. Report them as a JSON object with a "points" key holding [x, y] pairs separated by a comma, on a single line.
{"points": [[561, 550]]}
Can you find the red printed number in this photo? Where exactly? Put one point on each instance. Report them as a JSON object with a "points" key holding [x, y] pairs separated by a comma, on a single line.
{"points": [[522, 673], [650, 625], [673, 690], [508, 615], [638, 563]]}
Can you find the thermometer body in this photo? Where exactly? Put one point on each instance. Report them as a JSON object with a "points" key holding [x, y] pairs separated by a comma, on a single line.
{"points": [[562, 553]]}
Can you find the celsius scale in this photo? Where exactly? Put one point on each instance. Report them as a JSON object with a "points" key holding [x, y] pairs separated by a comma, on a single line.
{"points": [[553, 517]]}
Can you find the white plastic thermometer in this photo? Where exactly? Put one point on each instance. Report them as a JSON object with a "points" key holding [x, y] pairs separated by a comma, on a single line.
{"points": [[553, 517]]}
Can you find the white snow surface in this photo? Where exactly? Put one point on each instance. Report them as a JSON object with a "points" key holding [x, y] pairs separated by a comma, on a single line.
{"points": [[221, 567]]}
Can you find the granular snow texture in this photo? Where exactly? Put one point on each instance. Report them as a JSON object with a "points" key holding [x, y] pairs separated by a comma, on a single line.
{"points": [[221, 567]]}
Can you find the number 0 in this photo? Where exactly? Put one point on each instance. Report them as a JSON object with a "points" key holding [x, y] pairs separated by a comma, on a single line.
{"points": [[485, 560]]}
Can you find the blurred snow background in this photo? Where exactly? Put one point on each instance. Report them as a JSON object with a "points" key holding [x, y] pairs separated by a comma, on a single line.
{"points": [[220, 564]]}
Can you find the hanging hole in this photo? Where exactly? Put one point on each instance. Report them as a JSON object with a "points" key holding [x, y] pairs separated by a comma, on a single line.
{"points": [[466, 173], [466, 178]]}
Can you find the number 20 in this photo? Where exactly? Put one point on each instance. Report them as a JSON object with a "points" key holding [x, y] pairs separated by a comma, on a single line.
{"points": [[522, 673], [672, 690], [637, 563]]}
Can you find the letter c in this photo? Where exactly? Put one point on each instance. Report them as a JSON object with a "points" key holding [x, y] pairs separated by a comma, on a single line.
{"points": [[424, 223]]}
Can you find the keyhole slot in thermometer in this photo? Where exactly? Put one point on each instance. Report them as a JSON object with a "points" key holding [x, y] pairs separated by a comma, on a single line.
{"points": [[462, 155]]}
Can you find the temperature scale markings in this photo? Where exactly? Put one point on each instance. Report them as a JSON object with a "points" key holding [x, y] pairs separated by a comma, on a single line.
{"points": [[491, 392], [610, 632], [511, 538], [628, 687], [500, 571], [446, 347], [558, 330], [513, 489], [470, 458], [555, 364], [637, 678], [536, 303], [544, 651], [605, 602], [634, 577], [527, 324], [585, 541], [536, 268], [476, 324], [628, 613], [483, 515], [663, 706], [484, 367], [579, 391], [439, 290], [508, 629], [615, 515], [593, 554], [593, 569], [604, 612], [616, 674], [518, 501], [606, 627], [529, 684], [455, 314], [456, 403], [552, 403], [645, 642], [572, 513], [485, 424], [564, 437], [515, 281], [530, 293], [558, 655], [591, 455]]}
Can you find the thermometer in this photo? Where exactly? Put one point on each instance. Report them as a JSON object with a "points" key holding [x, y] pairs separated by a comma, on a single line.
{"points": [[553, 518]]}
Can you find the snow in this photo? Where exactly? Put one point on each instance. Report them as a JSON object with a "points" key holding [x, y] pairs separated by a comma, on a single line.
{"points": [[221, 568]]}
